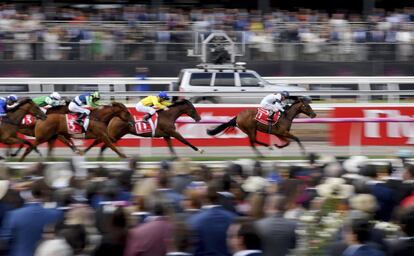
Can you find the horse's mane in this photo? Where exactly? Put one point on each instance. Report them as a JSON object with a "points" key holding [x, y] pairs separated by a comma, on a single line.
{"points": [[119, 104], [180, 102], [20, 103]]}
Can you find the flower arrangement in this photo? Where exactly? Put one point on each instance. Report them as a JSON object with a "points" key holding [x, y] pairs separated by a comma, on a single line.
{"points": [[319, 227]]}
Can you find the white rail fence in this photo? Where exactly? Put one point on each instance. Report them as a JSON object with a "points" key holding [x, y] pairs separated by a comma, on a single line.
{"points": [[116, 87]]}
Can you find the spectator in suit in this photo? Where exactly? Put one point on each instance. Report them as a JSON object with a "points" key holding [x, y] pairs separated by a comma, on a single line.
{"points": [[276, 232], [182, 178], [22, 228], [383, 193], [174, 198], [406, 191], [113, 242], [404, 246], [226, 197], [358, 234], [210, 225], [153, 237], [244, 239]]}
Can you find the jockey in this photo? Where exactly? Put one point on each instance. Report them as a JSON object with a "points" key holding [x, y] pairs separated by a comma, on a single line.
{"points": [[52, 100], [149, 103], [6, 104], [88, 99], [275, 102]]}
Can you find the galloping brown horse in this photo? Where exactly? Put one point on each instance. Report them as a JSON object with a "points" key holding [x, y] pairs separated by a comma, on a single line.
{"points": [[11, 123], [28, 128], [246, 121], [55, 125], [117, 128]]}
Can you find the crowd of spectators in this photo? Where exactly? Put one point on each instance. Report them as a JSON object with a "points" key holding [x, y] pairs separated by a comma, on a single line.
{"points": [[325, 207], [129, 32]]}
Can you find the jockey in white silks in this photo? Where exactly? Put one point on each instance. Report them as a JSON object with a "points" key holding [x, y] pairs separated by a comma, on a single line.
{"points": [[275, 102]]}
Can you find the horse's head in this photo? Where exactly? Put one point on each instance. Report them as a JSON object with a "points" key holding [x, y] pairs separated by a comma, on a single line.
{"points": [[32, 108], [305, 108], [122, 112], [187, 108]]}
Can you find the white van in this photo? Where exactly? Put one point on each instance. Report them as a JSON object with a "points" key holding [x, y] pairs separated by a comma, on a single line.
{"points": [[225, 78]]}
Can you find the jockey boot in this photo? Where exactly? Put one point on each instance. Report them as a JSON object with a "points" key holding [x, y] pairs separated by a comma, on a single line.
{"points": [[270, 119], [146, 117], [79, 120]]}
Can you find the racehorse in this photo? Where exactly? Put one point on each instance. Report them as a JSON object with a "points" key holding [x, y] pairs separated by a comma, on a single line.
{"points": [[11, 123], [117, 128], [246, 121], [28, 127], [55, 125]]}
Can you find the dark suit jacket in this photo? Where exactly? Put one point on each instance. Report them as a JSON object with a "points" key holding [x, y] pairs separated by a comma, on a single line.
{"points": [[277, 235], [210, 226], [386, 200], [227, 200], [363, 251], [402, 247], [23, 227]]}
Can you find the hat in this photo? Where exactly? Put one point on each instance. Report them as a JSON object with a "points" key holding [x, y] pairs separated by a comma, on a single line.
{"points": [[58, 176], [354, 163], [335, 188], [364, 202], [255, 184], [4, 187]]}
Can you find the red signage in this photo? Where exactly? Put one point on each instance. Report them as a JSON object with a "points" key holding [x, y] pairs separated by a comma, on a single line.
{"points": [[386, 134]]}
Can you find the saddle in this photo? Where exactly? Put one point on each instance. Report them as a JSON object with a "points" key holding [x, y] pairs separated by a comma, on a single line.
{"points": [[73, 127], [263, 116], [142, 126]]}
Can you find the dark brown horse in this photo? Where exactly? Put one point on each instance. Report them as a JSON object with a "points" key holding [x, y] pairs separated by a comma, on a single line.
{"points": [[28, 128], [246, 121], [55, 125], [117, 128], [10, 124]]}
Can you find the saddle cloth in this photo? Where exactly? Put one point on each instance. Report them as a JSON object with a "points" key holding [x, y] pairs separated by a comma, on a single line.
{"points": [[262, 116], [28, 119], [73, 127], [145, 127]]}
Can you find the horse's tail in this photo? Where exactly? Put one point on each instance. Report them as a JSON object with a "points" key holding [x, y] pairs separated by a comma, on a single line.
{"points": [[222, 127]]}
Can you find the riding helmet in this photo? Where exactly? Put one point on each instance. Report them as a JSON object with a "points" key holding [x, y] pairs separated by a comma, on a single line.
{"points": [[12, 98], [163, 95], [285, 94], [55, 95], [96, 95]]}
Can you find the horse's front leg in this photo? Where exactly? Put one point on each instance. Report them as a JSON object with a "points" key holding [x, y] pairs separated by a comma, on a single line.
{"points": [[179, 137], [170, 146], [288, 135]]}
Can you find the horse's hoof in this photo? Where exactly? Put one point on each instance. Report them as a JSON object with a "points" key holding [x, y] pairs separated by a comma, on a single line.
{"points": [[201, 151], [13, 155], [79, 152], [122, 156], [271, 148]]}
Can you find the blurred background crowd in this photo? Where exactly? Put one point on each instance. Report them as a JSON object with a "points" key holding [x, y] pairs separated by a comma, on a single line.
{"points": [[140, 32], [327, 206]]}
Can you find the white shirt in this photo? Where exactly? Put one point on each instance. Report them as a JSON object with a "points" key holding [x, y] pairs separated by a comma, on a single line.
{"points": [[246, 252], [271, 99]]}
